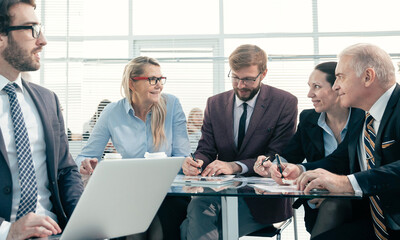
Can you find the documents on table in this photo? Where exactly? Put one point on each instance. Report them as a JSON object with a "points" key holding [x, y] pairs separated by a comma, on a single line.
{"points": [[204, 181], [268, 184]]}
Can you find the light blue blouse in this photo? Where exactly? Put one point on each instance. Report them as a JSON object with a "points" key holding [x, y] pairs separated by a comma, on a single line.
{"points": [[132, 137], [330, 143]]}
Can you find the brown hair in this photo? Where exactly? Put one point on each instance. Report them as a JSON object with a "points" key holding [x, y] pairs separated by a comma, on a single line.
{"points": [[5, 18], [248, 55], [135, 68]]}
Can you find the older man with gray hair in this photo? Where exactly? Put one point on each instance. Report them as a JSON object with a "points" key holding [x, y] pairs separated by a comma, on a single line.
{"points": [[365, 79]]}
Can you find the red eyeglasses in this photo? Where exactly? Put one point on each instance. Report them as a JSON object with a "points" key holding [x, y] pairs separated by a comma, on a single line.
{"points": [[152, 80]]}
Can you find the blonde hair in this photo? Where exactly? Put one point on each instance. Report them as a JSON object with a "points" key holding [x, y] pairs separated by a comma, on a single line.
{"points": [[135, 68], [248, 55], [365, 55]]}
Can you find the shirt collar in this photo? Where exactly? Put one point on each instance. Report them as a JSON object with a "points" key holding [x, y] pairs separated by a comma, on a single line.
{"points": [[251, 103], [379, 106], [4, 81], [322, 121], [128, 107]]}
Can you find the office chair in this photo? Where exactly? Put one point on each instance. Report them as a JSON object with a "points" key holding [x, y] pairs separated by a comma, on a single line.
{"points": [[271, 231]]}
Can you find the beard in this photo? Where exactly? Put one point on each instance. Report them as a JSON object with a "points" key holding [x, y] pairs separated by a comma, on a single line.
{"points": [[252, 93], [20, 58]]}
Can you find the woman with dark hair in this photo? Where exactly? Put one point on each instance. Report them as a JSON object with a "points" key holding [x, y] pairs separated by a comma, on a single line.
{"points": [[319, 133]]}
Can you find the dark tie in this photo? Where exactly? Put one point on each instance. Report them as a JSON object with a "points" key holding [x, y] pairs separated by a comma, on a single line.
{"points": [[27, 176], [242, 125], [375, 203]]}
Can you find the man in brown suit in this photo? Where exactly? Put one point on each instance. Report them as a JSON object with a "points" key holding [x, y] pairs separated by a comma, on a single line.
{"points": [[252, 119]]}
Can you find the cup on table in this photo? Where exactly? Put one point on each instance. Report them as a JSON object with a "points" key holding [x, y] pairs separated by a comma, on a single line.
{"points": [[112, 156], [155, 155]]}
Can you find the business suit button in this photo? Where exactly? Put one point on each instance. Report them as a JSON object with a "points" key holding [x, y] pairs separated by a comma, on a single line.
{"points": [[7, 190]]}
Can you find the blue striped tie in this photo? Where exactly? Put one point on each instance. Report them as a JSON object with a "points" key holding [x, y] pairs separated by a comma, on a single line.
{"points": [[376, 210], [27, 176]]}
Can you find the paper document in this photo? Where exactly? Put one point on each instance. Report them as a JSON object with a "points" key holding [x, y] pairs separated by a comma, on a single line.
{"points": [[277, 188], [203, 181], [269, 185]]}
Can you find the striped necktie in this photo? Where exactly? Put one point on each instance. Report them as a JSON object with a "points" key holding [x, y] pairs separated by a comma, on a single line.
{"points": [[27, 176], [375, 205]]}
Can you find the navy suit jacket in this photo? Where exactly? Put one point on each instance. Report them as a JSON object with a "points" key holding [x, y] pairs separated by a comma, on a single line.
{"points": [[271, 126], [308, 143], [384, 179], [65, 182]]}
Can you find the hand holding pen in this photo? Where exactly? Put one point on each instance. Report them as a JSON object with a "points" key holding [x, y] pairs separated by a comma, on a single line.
{"points": [[192, 166], [278, 159], [283, 172], [262, 165], [194, 159]]}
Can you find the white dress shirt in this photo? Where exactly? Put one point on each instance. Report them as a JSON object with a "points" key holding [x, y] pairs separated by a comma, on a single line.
{"points": [[237, 113], [376, 112], [34, 127]]}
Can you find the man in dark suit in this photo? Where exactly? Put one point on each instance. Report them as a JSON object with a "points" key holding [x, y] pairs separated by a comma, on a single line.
{"points": [[40, 183], [252, 119], [366, 80]]}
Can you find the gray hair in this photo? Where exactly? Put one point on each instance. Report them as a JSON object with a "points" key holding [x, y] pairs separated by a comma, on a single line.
{"points": [[365, 55]]}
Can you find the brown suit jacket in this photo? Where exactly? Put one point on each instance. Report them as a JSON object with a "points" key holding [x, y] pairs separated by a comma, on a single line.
{"points": [[271, 127]]}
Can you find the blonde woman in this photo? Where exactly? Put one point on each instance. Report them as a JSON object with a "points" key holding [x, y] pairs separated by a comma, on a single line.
{"points": [[144, 121]]}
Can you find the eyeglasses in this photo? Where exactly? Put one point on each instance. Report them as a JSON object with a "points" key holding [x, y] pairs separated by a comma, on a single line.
{"points": [[37, 29], [152, 80], [246, 80]]}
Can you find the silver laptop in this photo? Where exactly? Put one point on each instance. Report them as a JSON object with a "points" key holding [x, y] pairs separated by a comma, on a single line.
{"points": [[121, 198]]}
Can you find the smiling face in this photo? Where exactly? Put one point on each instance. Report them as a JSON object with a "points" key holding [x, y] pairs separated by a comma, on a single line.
{"points": [[321, 93], [348, 85], [142, 91], [246, 91], [19, 49]]}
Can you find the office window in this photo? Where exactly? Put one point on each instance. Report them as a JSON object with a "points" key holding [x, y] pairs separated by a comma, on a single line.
{"points": [[333, 45], [102, 19], [155, 17], [274, 46], [260, 16], [89, 44], [358, 15]]}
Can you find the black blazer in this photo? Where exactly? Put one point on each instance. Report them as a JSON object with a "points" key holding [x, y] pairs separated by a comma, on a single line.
{"points": [[384, 180], [65, 182], [308, 142]]}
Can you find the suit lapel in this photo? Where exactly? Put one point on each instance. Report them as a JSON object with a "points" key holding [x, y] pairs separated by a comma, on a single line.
{"points": [[315, 133], [354, 139], [257, 116], [385, 118], [3, 150], [48, 136], [229, 120]]}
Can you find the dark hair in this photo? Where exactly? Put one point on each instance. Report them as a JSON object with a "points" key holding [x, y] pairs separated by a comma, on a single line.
{"points": [[5, 18], [329, 69]]}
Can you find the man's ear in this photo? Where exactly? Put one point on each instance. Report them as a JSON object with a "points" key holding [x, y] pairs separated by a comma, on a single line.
{"points": [[264, 74], [369, 77], [3, 40]]}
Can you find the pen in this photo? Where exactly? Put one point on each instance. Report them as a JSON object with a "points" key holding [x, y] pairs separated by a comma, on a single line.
{"points": [[279, 164], [194, 159], [263, 161]]}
